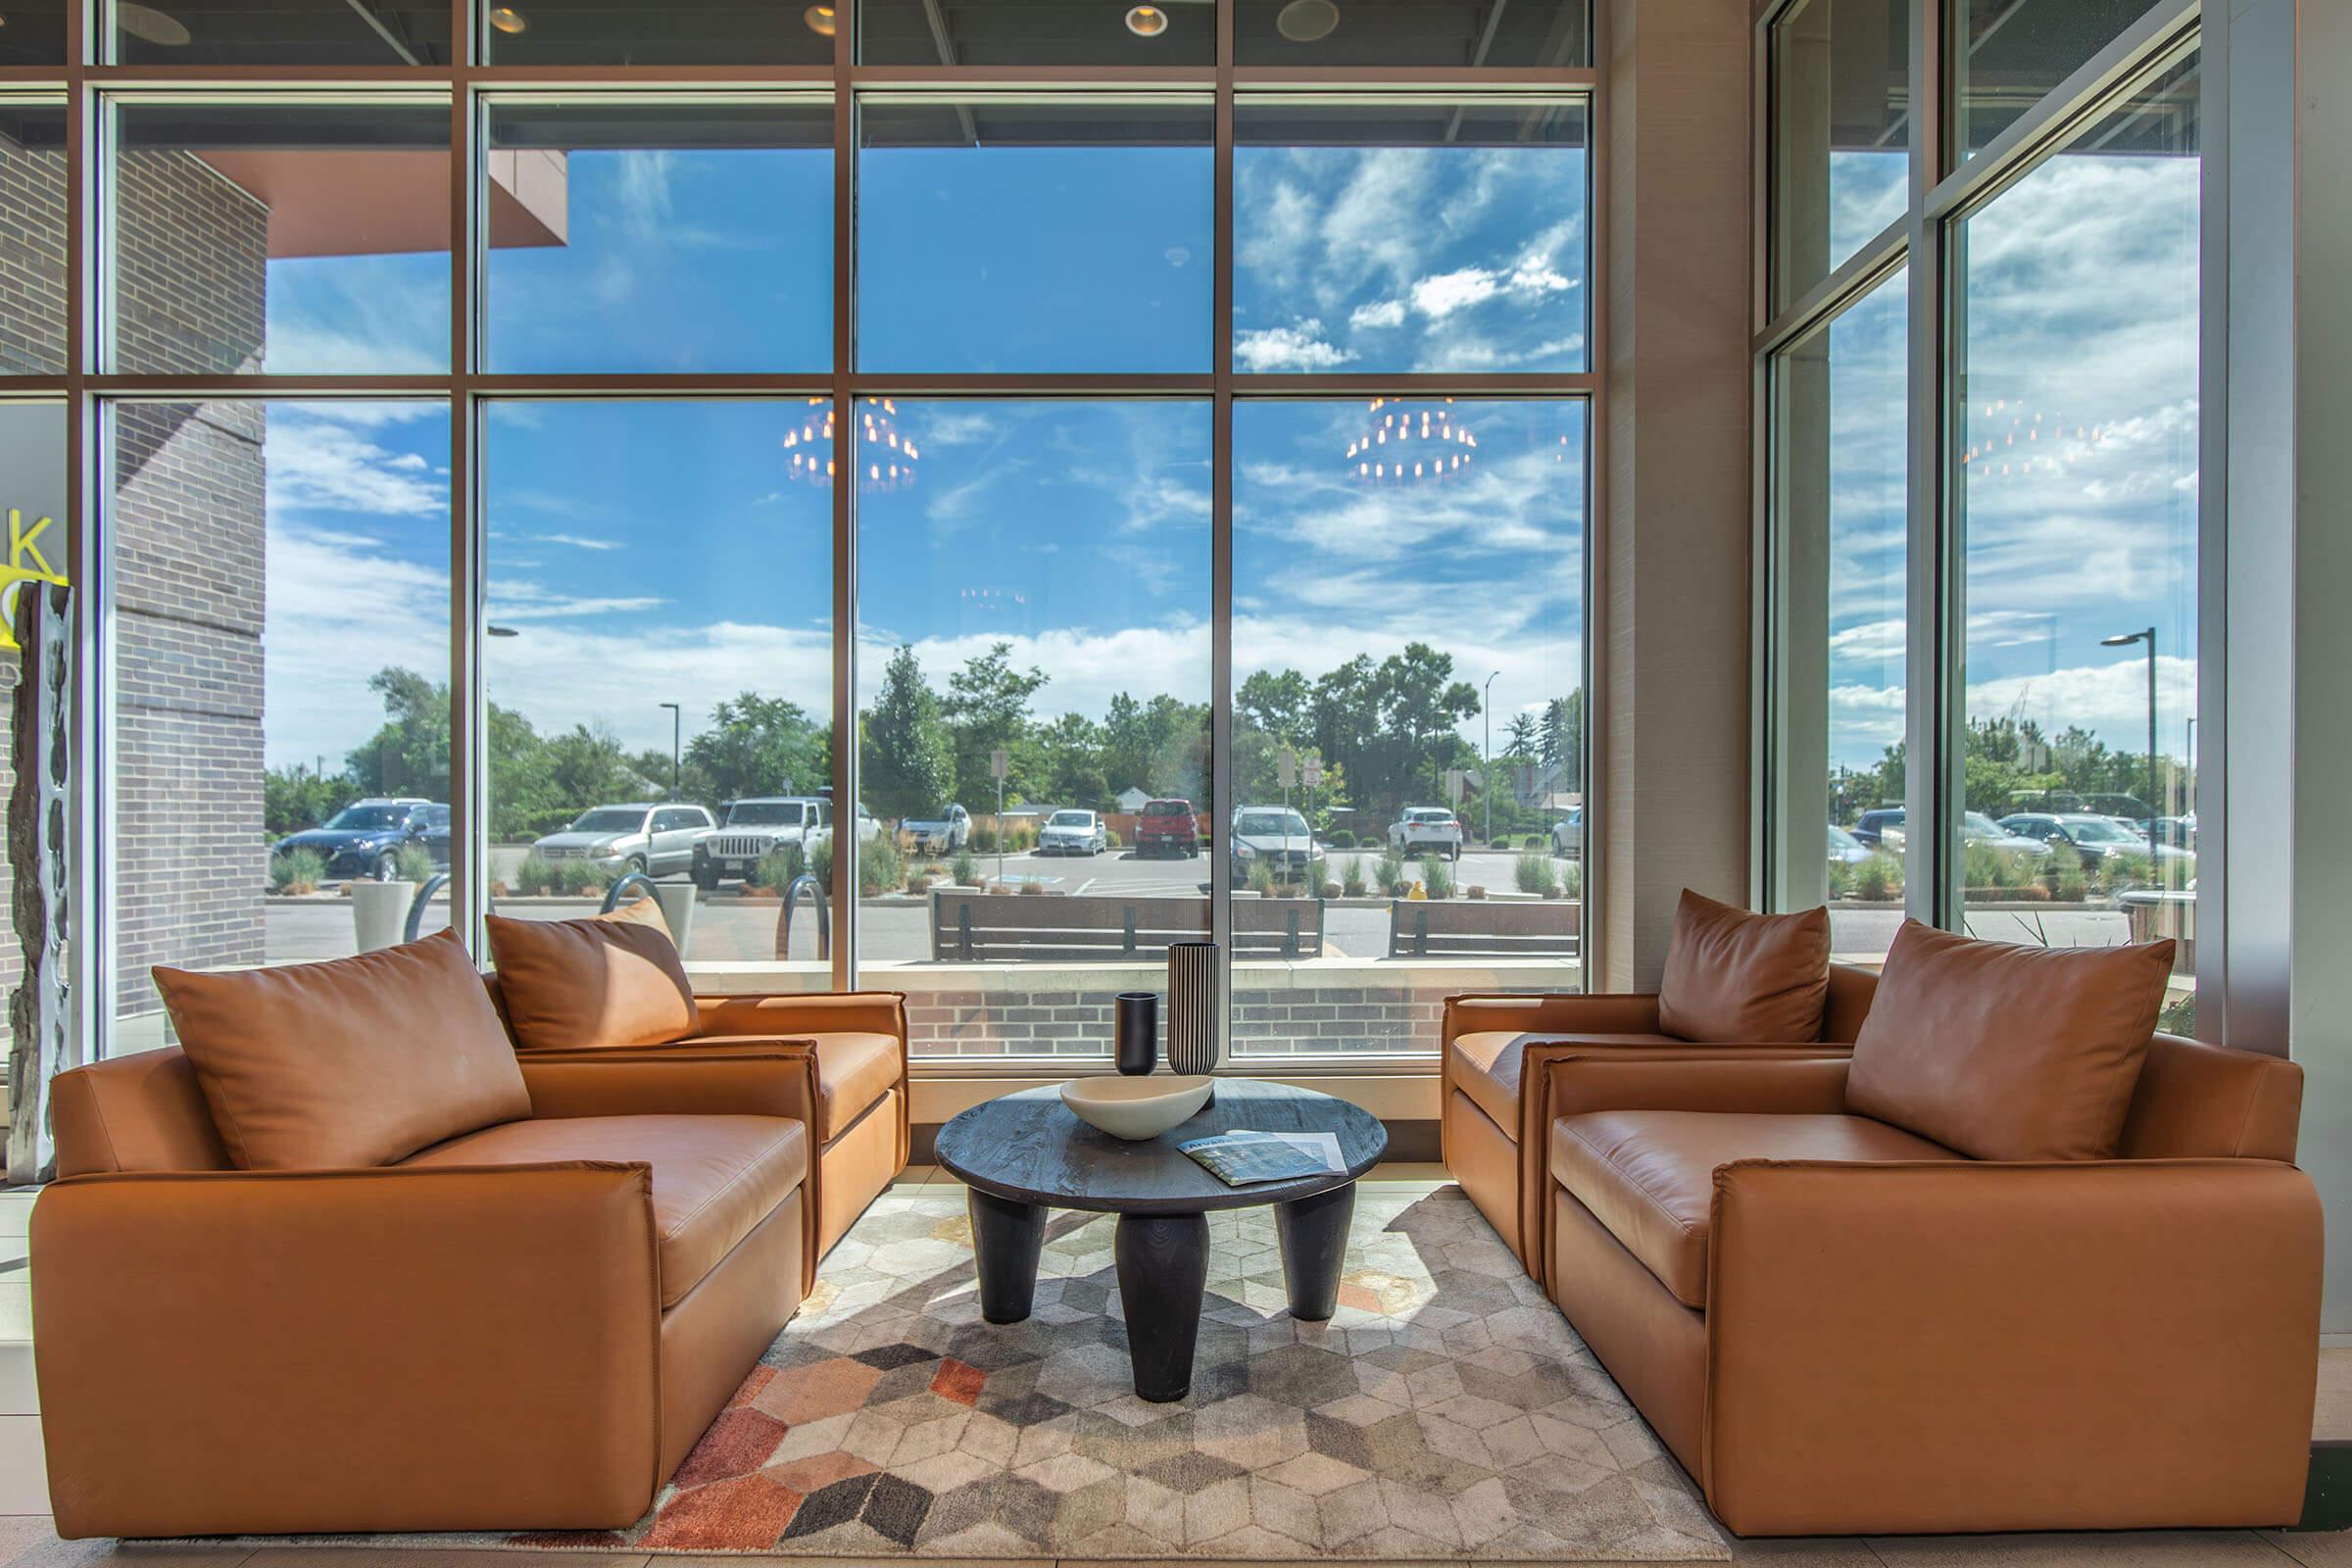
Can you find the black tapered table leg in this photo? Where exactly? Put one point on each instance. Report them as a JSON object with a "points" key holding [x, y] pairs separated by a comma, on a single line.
{"points": [[1163, 1269], [1313, 1233], [1006, 1238]]}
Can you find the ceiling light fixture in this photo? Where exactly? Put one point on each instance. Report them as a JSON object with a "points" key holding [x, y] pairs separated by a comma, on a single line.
{"points": [[150, 26], [889, 458], [1306, 20], [821, 21], [1407, 444], [1147, 21], [508, 19]]}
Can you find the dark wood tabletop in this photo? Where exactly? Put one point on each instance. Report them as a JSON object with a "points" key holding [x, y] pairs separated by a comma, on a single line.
{"points": [[1029, 1148]]}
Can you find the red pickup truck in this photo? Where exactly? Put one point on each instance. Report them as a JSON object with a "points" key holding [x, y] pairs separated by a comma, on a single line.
{"points": [[1166, 827]]}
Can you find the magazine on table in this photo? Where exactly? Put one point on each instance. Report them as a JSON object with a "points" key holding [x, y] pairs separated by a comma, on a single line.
{"points": [[1242, 1158]]}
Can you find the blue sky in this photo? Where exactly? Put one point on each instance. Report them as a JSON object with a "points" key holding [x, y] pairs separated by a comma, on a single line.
{"points": [[650, 553]]}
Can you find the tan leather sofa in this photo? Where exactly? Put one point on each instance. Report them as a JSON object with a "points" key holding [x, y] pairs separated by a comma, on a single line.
{"points": [[523, 1327], [1840, 1327], [834, 1061]]}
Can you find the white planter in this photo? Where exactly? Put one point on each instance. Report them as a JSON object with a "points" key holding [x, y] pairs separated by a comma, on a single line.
{"points": [[380, 911], [677, 910]]}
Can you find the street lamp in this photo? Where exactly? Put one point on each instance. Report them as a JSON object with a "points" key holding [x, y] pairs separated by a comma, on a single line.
{"points": [[2126, 640], [677, 734], [1486, 786]]}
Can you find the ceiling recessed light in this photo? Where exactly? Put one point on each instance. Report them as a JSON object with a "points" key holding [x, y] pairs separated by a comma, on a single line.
{"points": [[1147, 21], [508, 19], [150, 26], [1306, 20], [821, 21]]}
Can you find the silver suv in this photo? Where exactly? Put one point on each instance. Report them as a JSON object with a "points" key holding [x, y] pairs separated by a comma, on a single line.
{"points": [[655, 837]]}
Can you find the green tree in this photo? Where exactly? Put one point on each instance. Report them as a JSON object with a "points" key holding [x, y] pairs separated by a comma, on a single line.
{"points": [[1280, 704], [908, 764], [1519, 737], [410, 754], [987, 707], [296, 797], [762, 745]]}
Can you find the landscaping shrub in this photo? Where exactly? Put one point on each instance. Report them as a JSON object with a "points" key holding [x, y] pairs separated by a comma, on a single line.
{"points": [[2127, 868], [1842, 879], [1572, 880], [1879, 879], [820, 863], [415, 864], [539, 876], [1533, 872], [1351, 878], [297, 871], [1435, 880], [2062, 875], [778, 867], [964, 869], [1534, 841], [1261, 879], [879, 867], [983, 839], [1331, 890], [1389, 871], [1342, 839]]}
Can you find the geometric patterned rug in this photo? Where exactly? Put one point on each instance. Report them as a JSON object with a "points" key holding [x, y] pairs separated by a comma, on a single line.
{"points": [[1445, 1411]]}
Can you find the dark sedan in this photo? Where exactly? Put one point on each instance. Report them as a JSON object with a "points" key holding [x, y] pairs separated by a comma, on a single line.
{"points": [[365, 837]]}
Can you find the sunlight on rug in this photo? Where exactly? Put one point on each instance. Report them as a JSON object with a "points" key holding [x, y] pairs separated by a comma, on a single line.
{"points": [[1446, 1411]]}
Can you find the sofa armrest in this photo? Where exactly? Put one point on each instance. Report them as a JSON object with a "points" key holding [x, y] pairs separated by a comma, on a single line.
{"points": [[730, 1076], [353, 1350], [1552, 1013], [2095, 1345], [881, 1012]]}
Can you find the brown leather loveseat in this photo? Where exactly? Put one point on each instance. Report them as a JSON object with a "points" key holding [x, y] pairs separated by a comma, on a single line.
{"points": [[1840, 1326], [352, 1262]]}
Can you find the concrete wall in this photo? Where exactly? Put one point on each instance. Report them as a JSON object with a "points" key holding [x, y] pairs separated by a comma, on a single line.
{"points": [[1674, 583]]}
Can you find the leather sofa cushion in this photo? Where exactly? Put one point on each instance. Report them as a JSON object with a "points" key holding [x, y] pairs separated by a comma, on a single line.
{"points": [[715, 1178], [608, 980], [1648, 1176], [853, 1070], [353, 1062], [2004, 1051], [1752, 979], [1487, 1064]]}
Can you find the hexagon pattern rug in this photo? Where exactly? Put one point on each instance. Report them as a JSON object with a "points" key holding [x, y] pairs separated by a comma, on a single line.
{"points": [[1446, 1411]]}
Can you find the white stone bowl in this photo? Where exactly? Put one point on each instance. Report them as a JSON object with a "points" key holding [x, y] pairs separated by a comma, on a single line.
{"points": [[1137, 1108]]}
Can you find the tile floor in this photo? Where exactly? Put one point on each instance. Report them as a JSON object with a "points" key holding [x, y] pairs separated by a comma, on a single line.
{"points": [[28, 1542]]}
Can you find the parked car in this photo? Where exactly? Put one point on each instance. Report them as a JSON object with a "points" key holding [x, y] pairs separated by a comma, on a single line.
{"points": [[1983, 832], [2095, 835], [942, 834], [1874, 823], [869, 826], [1276, 837], [1073, 832], [1568, 834], [2181, 832], [365, 837], [1167, 827], [652, 837], [756, 826], [1423, 829], [1845, 849]]}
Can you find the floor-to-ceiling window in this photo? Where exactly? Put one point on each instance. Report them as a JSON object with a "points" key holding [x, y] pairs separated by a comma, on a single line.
{"points": [[1983, 438], [921, 500]]}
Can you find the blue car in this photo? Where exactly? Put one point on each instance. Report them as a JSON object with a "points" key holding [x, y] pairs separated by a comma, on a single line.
{"points": [[365, 837]]}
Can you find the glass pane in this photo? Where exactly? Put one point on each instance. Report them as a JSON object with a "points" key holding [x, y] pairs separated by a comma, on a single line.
{"points": [[35, 35], [1410, 33], [1037, 33], [660, 238], [1397, 237], [1408, 641], [2006, 54], [280, 679], [658, 580], [694, 33], [280, 236], [1034, 581], [1839, 617], [1030, 238], [282, 33], [32, 238], [2078, 486], [1841, 133], [32, 493]]}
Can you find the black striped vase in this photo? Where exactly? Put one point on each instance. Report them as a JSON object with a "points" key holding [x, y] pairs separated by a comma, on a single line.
{"points": [[1193, 1022]]}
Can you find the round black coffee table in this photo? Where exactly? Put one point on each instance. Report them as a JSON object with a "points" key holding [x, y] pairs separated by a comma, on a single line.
{"points": [[1025, 1153]]}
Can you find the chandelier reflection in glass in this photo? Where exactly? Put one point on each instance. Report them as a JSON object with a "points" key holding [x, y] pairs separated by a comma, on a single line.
{"points": [[1407, 441], [886, 458], [2033, 442]]}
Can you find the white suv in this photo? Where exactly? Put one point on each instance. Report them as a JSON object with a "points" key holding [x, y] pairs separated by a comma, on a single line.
{"points": [[1423, 829], [756, 826]]}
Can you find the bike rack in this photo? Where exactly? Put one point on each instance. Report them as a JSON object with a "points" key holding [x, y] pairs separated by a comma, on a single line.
{"points": [[633, 879], [824, 917], [424, 896]]}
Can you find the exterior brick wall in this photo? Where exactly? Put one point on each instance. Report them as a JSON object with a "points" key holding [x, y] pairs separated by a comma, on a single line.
{"points": [[32, 260]]}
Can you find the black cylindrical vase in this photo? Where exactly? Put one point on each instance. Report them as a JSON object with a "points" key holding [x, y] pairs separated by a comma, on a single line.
{"points": [[1137, 1019], [1193, 1023]]}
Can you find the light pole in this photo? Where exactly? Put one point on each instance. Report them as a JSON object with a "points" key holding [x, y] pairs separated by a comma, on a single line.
{"points": [[2126, 640], [678, 737], [1486, 785]]}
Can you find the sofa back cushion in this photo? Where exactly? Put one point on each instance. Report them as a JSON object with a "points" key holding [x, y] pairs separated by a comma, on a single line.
{"points": [[608, 980], [2004, 1051], [355, 1062], [1736, 976]]}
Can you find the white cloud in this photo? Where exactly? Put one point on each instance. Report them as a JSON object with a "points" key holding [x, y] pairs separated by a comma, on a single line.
{"points": [[1379, 314], [574, 540], [1440, 296], [1288, 348], [318, 461]]}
